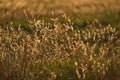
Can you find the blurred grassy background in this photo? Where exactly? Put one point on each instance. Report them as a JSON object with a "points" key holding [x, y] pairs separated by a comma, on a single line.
{"points": [[45, 7], [79, 11]]}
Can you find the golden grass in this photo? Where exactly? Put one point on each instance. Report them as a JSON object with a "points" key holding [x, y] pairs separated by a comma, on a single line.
{"points": [[45, 7], [57, 51]]}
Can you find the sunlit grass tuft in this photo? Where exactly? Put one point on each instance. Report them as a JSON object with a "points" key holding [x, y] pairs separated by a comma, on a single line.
{"points": [[58, 51]]}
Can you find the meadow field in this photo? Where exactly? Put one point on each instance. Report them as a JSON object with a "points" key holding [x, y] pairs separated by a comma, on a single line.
{"points": [[59, 39]]}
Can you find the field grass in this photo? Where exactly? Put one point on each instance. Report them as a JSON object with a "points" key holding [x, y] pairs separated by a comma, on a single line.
{"points": [[63, 40], [59, 7]]}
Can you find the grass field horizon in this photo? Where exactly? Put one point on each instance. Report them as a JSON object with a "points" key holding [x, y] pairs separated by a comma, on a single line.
{"points": [[59, 40]]}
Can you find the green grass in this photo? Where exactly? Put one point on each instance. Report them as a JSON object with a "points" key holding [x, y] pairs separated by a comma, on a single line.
{"points": [[103, 19]]}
